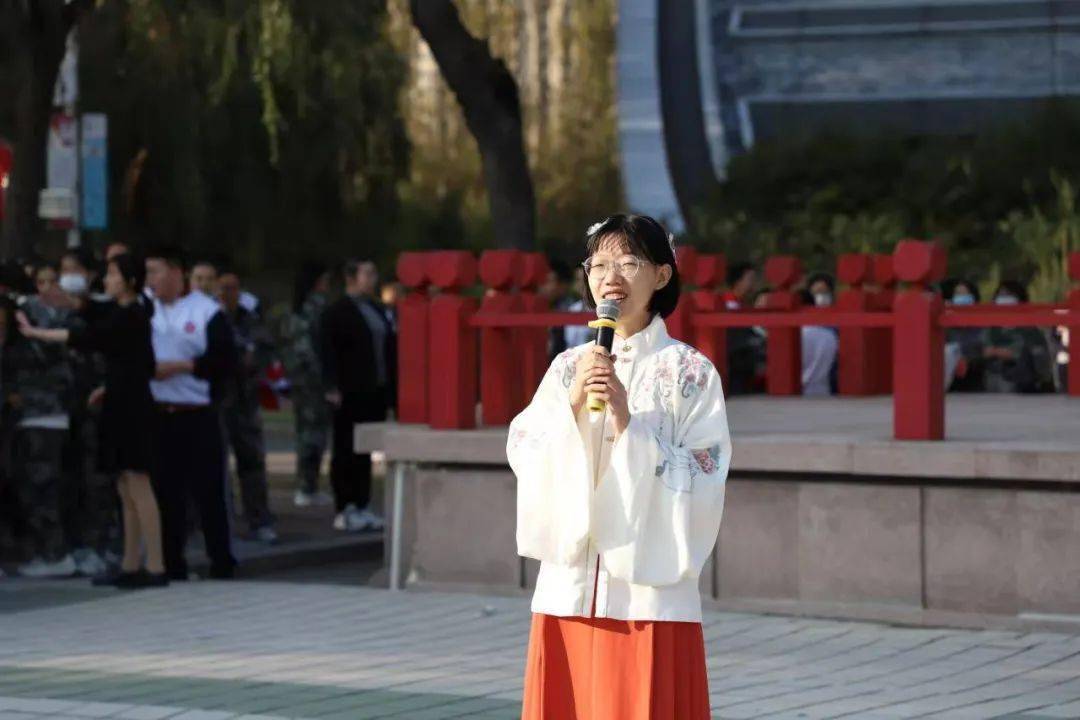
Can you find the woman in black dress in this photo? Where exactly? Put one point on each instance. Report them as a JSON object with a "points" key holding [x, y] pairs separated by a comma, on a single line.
{"points": [[122, 334]]}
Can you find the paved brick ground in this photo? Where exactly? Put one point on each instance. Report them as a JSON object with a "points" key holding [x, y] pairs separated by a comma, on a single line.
{"points": [[224, 651]]}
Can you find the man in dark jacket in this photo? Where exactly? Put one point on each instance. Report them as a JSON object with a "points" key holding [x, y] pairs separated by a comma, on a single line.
{"points": [[359, 359]]}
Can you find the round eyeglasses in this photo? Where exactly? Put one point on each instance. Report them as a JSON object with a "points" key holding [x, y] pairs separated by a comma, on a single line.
{"points": [[627, 266]]}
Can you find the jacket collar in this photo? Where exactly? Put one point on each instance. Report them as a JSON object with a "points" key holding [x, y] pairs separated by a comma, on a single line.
{"points": [[651, 337]]}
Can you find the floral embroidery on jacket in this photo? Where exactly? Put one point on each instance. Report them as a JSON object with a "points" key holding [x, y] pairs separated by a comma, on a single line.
{"points": [[693, 370], [707, 459]]}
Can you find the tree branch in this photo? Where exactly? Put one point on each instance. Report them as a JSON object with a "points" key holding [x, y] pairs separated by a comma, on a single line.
{"points": [[488, 96]]}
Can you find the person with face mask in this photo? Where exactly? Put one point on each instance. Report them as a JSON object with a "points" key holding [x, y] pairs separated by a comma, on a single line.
{"points": [[969, 375], [1017, 358], [37, 389], [90, 517]]}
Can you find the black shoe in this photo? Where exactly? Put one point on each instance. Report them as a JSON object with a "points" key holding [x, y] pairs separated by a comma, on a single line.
{"points": [[143, 579], [113, 579], [222, 572]]}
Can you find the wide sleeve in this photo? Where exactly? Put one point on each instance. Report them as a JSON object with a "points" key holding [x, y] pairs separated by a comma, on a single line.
{"points": [[657, 508], [547, 454]]}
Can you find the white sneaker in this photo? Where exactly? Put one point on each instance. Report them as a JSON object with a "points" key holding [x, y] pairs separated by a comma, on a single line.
{"points": [[266, 535], [344, 520], [370, 520], [88, 563], [303, 499], [38, 568]]}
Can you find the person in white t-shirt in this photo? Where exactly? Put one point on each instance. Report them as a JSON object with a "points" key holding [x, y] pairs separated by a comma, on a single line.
{"points": [[193, 349]]}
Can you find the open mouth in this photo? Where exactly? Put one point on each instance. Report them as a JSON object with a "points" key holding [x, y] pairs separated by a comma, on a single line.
{"points": [[615, 296]]}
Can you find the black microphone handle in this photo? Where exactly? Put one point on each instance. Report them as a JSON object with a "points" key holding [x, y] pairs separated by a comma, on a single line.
{"points": [[605, 337]]}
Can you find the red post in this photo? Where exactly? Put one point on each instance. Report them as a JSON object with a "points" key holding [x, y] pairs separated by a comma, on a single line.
{"points": [[918, 344], [709, 272], [1074, 326], [532, 343], [855, 361], [413, 322], [500, 365], [679, 322], [881, 339], [783, 350], [452, 360]]}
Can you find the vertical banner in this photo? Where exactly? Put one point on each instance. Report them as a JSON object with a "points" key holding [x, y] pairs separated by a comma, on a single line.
{"points": [[61, 171], [95, 197]]}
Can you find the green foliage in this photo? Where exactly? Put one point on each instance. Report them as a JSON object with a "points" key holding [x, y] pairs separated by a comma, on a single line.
{"points": [[1000, 201], [1046, 238], [271, 129]]}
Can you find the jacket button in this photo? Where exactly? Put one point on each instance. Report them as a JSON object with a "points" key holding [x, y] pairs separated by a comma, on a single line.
{"points": [[626, 348]]}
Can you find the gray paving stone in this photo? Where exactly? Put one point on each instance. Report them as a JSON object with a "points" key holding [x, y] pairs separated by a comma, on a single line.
{"points": [[282, 651]]}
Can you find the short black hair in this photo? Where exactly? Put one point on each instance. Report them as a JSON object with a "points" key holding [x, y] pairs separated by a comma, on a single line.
{"points": [[351, 266], [307, 276], [736, 271], [131, 268], [948, 288], [173, 255], [1014, 288], [84, 257], [561, 269], [645, 238], [821, 277]]}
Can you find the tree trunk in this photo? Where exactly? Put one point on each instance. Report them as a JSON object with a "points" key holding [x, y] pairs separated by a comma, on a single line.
{"points": [[488, 96], [36, 31]]}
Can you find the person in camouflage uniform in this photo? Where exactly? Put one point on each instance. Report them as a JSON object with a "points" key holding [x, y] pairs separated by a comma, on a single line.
{"points": [[88, 502], [38, 389], [240, 408], [300, 343]]}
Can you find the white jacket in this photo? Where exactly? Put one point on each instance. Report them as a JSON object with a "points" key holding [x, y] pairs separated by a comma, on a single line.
{"points": [[643, 531]]}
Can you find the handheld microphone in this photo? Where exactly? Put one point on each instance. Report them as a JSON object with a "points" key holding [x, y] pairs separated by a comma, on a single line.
{"points": [[607, 313]]}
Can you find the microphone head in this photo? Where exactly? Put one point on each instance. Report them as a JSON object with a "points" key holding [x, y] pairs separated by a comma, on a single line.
{"points": [[608, 309]]}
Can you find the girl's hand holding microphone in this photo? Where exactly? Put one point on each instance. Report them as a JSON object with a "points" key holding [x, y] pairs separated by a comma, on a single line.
{"points": [[595, 377]]}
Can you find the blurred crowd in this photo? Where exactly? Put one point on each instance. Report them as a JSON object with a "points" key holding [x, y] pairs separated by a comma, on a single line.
{"points": [[128, 383], [998, 359], [133, 391]]}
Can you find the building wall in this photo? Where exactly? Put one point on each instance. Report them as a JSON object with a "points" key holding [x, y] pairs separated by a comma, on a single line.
{"points": [[783, 66]]}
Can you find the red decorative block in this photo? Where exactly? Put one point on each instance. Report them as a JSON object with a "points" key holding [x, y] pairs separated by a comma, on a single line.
{"points": [[709, 270], [919, 262], [500, 269], [451, 269], [783, 271], [412, 269], [686, 258], [855, 268], [534, 270], [884, 271]]}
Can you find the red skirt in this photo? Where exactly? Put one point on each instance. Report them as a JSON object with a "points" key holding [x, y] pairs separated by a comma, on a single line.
{"points": [[599, 669]]}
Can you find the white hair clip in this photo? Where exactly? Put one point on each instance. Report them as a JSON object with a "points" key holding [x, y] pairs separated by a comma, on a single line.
{"points": [[671, 242], [593, 228]]}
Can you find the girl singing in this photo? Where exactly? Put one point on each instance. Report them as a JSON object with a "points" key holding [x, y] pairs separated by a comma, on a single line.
{"points": [[622, 507]]}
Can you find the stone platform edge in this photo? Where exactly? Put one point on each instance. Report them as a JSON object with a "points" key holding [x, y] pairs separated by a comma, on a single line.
{"points": [[782, 453]]}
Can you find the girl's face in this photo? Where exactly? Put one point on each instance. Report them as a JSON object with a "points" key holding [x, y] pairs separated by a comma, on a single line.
{"points": [[45, 280], [115, 285], [616, 274]]}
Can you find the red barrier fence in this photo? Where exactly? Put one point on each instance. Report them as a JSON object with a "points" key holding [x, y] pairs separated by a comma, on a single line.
{"points": [[456, 352]]}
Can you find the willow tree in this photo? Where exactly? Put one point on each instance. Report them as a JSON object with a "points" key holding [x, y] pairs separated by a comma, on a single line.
{"points": [[267, 129]]}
